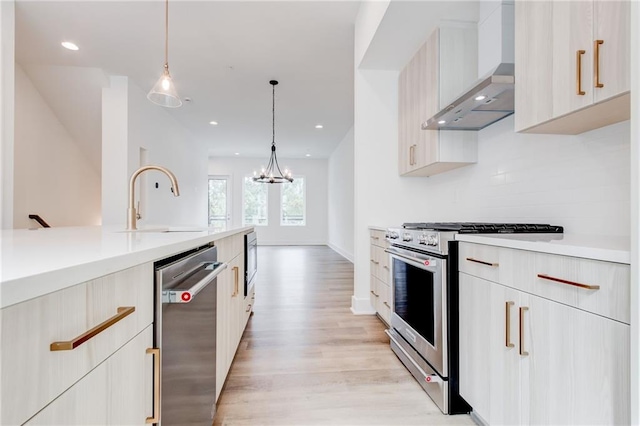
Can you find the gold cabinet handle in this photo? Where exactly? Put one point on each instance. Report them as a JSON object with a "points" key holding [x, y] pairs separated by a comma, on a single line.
{"points": [[248, 308], [385, 267], [522, 311], [573, 283], [155, 352], [374, 293], [236, 277], [482, 262], [507, 327], [596, 63], [579, 54], [387, 305], [70, 345], [375, 238]]}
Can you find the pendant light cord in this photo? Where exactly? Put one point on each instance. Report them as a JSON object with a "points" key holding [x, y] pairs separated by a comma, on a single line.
{"points": [[166, 34], [273, 115]]}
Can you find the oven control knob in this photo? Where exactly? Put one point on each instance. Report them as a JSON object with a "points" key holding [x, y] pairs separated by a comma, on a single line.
{"points": [[407, 237], [393, 235], [422, 239], [432, 240]]}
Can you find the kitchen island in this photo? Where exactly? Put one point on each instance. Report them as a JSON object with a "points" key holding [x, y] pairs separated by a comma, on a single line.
{"points": [[95, 286]]}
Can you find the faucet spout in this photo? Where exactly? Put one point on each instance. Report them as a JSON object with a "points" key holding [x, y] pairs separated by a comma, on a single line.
{"points": [[131, 211]]}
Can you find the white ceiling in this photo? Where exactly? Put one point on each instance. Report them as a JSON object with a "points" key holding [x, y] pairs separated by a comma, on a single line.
{"points": [[222, 55]]}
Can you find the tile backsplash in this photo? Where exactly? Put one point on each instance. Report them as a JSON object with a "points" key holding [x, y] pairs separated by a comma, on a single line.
{"points": [[580, 182]]}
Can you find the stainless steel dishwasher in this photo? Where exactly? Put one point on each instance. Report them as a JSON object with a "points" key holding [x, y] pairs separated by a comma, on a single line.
{"points": [[185, 332]]}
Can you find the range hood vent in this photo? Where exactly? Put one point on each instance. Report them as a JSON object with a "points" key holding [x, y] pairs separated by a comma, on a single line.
{"points": [[489, 100]]}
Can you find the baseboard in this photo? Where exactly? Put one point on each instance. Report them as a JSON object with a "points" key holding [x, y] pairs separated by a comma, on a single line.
{"points": [[341, 252], [361, 306]]}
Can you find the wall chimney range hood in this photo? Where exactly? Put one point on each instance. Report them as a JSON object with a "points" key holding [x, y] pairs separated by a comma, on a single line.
{"points": [[491, 98]]}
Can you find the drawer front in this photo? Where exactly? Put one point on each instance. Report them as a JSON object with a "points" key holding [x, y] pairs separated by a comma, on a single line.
{"points": [[249, 302], [374, 296], [33, 375], [480, 261], [594, 286], [229, 247], [385, 302], [377, 238]]}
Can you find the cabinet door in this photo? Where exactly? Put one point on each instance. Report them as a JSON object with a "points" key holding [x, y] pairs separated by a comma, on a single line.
{"points": [[612, 26], [117, 392], [572, 34], [533, 63], [404, 121], [475, 374], [225, 282], [505, 361]]}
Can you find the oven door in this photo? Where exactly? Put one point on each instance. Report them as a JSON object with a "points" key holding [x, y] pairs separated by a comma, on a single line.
{"points": [[419, 293]]}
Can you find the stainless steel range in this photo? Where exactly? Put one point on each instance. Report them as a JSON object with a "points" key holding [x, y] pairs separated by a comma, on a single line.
{"points": [[424, 309]]}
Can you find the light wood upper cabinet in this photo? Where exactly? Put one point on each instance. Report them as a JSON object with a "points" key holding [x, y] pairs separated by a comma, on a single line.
{"points": [[572, 65], [440, 70]]}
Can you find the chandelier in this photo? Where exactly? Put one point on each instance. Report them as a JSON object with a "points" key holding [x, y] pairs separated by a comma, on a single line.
{"points": [[272, 173], [164, 93]]}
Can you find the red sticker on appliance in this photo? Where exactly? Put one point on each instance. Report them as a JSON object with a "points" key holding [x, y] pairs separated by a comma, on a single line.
{"points": [[428, 379], [186, 297], [427, 263]]}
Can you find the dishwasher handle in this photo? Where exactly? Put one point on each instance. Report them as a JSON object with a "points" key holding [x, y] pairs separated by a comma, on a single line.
{"points": [[185, 296]]}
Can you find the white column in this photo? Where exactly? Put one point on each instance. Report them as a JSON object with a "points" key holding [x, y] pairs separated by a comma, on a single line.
{"points": [[115, 152], [7, 66]]}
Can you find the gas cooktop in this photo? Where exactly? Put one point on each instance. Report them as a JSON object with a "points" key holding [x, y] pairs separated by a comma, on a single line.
{"points": [[486, 228]]}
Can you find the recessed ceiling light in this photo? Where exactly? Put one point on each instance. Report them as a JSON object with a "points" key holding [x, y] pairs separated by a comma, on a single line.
{"points": [[319, 126], [441, 122], [481, 98], [237, 153], [69, 45], [308, 155], [213, 123]]}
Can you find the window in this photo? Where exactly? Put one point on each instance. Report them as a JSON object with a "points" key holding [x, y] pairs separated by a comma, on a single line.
{"points": [[218, 203], [254, 211], [292, 203]]}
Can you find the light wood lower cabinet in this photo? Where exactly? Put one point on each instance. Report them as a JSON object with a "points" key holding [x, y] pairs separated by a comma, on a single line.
{"points": [[233, 312], [525, 359], [380, 279], [117, 392], [33, 374]]}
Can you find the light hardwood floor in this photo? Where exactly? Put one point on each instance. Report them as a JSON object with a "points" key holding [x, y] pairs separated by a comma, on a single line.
{"points": [[305, 359]]}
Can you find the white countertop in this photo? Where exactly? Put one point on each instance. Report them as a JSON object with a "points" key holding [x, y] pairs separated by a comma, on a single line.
{"points": [[597, 247], [40, 261]]}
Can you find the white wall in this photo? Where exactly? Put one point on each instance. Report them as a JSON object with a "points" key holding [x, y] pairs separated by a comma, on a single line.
{"points": [[341, 201], [52, 176], [131, 123], [7, 53], [315, 173], [580, 182]]}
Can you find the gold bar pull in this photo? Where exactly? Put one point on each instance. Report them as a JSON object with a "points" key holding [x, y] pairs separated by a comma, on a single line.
{"points": [[482, 262], [579, 90], [248, 308], [236, 277], [387, 305], [522, 311], [596, 62], [573, 283], [70, 345], [156, 385], [411, 150], [507, 328]]}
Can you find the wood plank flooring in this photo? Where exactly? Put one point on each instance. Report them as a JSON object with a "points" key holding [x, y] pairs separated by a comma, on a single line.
{"points": [[305, 359]]}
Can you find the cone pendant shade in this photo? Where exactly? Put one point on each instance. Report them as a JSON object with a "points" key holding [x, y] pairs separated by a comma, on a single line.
{"points": [[164, 93]]}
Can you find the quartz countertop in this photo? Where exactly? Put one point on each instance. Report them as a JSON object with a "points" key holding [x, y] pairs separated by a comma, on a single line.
{"points": [[40, 261], [597, 247]]}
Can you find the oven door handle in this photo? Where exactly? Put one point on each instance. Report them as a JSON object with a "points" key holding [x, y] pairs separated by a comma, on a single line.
{"points": [[419, 263]]}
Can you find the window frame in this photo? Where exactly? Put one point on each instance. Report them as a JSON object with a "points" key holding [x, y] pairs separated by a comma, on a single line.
{"points": [[244, 223], [229, 212], [304, 202]]}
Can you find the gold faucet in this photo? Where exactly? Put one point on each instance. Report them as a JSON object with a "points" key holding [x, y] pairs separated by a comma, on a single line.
{"points": [[131, 211]]}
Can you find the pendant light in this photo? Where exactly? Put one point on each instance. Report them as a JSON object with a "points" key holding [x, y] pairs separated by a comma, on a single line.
{"points": [[273, 174], [164, 93]]}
